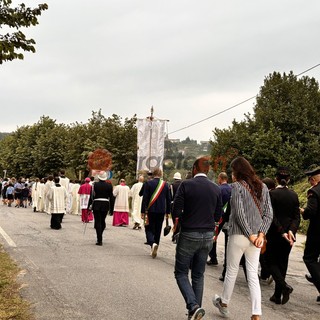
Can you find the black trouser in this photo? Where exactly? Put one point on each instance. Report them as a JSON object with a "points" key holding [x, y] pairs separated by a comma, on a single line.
{"points": [[265, 273], [277, 256], [56, 221], [99, 222], [226, 236], [311, 259], [155, 227]]}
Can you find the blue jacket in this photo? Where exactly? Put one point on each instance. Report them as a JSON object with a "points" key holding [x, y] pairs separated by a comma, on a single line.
{"points": [[198, 204], [162, 204]]}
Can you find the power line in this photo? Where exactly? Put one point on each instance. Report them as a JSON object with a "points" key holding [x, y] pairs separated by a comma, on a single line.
{"points": [[238, 104]]}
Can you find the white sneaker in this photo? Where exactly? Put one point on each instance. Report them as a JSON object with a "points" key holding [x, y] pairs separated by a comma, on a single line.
{"points": [[154, 250], [217, 303]]}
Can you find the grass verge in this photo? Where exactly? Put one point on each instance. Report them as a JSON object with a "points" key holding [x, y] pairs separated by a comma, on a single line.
{"points": [[12, 306]]}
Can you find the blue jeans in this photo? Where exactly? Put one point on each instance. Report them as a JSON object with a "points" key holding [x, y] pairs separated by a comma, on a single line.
{"points": [[192, 253]]}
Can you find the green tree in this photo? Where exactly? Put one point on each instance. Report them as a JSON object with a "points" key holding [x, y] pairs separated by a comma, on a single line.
{"points": [[76, 155], [292, 107], [11, 44], [34, 150], [283, 130], [49, 151]]}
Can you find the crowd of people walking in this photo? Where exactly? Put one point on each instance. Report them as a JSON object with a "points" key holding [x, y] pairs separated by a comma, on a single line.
{"points": [[260, 219]]}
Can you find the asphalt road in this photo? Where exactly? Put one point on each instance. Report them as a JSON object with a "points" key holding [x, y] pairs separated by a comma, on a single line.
{"points": [[66, 276]]}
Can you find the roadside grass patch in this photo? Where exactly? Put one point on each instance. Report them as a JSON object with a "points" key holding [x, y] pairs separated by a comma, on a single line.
{"points": [[12, 306]]}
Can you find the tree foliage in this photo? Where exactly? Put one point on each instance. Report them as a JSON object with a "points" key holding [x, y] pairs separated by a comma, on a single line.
{"points": [[11, 44], [46, 147], [283, 130]]}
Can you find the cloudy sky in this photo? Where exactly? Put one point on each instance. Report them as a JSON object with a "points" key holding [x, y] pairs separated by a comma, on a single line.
{"points": [[187, 59]]}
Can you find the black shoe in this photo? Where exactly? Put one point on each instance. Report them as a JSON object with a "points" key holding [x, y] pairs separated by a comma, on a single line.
{"points": [[98, 243], [221, 278], [309, 278], [286, 293], [212, 262], [275, 299]]}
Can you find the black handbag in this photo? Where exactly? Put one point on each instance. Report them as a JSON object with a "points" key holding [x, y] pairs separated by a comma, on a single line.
{"points": [[167, 228]]}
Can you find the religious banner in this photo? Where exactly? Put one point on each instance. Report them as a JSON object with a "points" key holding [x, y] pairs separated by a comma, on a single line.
{"points": [[151, 134]]}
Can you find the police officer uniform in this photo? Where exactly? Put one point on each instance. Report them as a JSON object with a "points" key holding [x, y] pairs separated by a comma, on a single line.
{"points": [[312, 248]]}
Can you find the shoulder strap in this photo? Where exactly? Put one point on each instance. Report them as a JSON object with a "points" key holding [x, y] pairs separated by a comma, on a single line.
{"points": [[255, 199], [156, 192]]}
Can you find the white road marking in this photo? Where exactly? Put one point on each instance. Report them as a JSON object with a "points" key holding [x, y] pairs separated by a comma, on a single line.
{"points": [[7, 238]]}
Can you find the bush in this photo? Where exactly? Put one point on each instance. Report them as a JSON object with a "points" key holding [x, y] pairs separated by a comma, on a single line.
{"points": [[301, 189]]}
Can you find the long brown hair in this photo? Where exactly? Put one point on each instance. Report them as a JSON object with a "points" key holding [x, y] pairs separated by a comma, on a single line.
{"points": [[242, 170]]}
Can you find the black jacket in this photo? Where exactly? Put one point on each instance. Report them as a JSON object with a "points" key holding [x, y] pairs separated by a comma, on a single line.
{"points": [[198, 204], [286, 212], [162, 204], [312, 213], [101, 190]]}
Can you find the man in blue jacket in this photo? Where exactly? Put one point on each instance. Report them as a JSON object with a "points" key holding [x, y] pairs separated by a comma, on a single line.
{"points": [[155, 204], [198, 205]]}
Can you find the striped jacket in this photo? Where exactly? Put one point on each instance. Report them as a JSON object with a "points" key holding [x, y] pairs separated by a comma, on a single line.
{"points": [[245, 217]]}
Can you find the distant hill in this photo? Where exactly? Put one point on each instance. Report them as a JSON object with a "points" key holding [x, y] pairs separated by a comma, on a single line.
{"points": [[3, 134]]}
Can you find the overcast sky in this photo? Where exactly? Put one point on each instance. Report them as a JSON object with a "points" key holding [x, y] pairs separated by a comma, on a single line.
{"points": [[187, 59]]}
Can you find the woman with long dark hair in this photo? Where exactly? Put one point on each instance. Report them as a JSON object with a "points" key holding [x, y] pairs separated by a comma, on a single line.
{"points": [[250, 219], [281, 235]]}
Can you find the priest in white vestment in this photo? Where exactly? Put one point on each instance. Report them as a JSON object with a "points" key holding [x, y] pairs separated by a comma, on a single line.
{"points": [[121, 204], [136, 203], [57, 196], [47, 186], [75, 198]]}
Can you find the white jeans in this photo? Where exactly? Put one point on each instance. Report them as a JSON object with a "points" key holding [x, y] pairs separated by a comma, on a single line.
{"points": [[237, 246]]}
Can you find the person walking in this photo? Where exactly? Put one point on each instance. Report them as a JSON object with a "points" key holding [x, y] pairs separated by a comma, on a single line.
{"points": [[74, 198], [136, 203], [9, 194], [121, 204], [47, 186], [156, 203], [100, 201], [173, 190], [250, 218], [312, 213], [225, 194], [35, 192], [197, 205], [5, 184], [281, 234], [57, 197], [265, 275], [24, 195], [18, 186], [144, 216], [85, 192], [64, 181]]}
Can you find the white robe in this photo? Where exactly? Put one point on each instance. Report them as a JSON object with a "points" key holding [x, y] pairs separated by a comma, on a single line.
{"points": [[121, 194], [136, 202], [57, 199], [75, 199], [48, 185], [37, 193]]}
